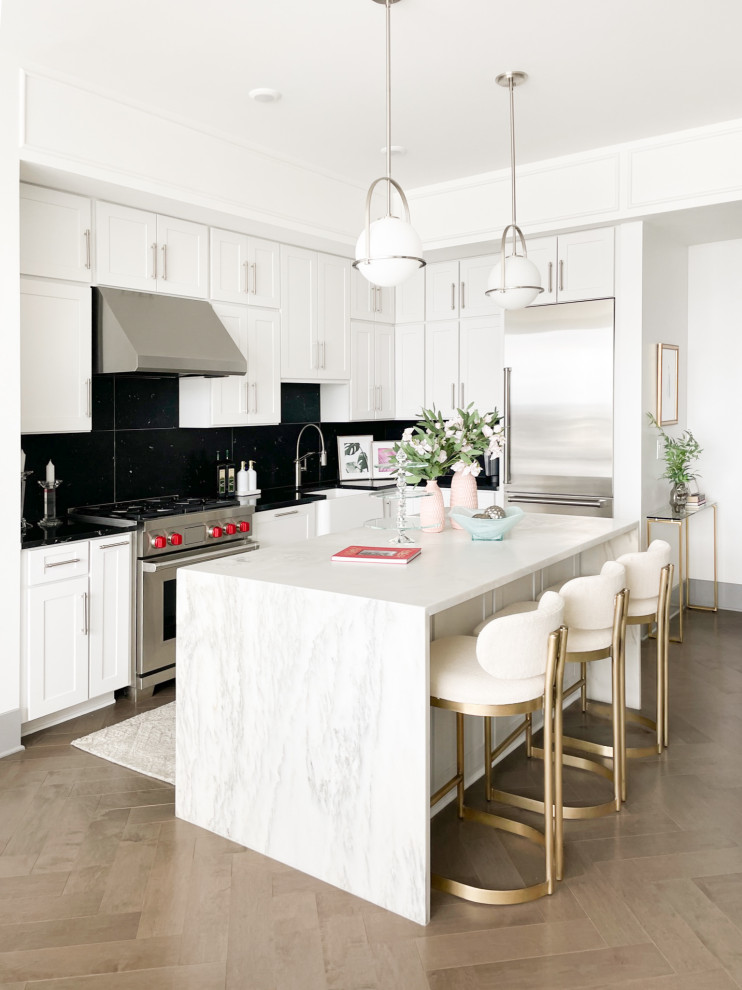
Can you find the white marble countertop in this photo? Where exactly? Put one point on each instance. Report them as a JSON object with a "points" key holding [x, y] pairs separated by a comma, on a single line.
{"points": [[452, 567]]}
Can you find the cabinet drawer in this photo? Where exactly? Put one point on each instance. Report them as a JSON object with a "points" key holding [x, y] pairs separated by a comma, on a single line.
{"points": [[56, 563]]}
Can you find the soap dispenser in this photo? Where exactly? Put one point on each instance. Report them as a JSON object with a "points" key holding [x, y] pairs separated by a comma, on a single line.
{"points": [[242, 486], [252, 477]]}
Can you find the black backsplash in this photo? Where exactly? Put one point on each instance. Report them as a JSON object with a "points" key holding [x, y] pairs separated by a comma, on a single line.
{"points": [[137, 450]]}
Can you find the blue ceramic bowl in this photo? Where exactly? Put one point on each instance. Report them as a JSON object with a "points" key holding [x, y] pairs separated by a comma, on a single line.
{"points": [[485, 529]]}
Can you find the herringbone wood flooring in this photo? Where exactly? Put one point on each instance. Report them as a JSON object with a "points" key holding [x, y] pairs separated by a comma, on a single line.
{"points": [[101, 887]]}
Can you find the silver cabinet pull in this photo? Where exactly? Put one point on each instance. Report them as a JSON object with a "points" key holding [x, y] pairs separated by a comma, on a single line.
{"points": [[61, 563], [462, 295], [561, 274], [247, 276], [453, 295], [255, 397], [381, 398], [290, 512], [108, 546], [88, 397], [85, 628], [453, 395], [551, 272], [323, 354], [87, 249], [461, 394], [254, 270], [154, 261], [164, 262]]}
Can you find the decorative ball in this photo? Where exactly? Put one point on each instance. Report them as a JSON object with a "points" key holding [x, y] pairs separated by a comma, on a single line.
{"points": [[494, 512]]}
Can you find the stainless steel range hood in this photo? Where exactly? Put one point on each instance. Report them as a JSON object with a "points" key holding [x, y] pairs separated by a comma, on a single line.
{"points": [[146, 333]]}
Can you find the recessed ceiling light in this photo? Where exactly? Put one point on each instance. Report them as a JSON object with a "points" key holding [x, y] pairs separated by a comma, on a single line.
{"points": [[263, 95], [397, 149]]}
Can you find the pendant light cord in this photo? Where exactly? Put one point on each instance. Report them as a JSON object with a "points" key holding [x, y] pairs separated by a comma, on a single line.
{"points": [[511, 87], [388, 109]]}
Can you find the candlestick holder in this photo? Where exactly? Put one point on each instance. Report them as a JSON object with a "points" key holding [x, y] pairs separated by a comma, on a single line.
{"points": [[50, 519], [24, 475]]}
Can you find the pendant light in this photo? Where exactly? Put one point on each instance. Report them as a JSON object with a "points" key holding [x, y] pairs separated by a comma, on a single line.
{"points": [[389, 250], [515, 281]]}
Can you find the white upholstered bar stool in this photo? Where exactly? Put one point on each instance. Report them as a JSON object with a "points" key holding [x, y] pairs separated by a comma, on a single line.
{"points": [[514, 667]]}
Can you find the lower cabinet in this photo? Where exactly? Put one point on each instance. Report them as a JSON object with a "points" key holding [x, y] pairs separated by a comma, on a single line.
{"points": [[77, 619], [287, 525]]}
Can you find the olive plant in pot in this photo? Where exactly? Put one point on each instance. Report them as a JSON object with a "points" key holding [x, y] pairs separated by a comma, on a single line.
{"points": [[680, 454]]}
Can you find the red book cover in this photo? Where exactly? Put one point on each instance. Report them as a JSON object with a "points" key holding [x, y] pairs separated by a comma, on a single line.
{"points": [[379, 555]]}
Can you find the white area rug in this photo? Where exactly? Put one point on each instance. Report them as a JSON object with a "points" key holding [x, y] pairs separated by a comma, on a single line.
{"points": [[145, 743]]}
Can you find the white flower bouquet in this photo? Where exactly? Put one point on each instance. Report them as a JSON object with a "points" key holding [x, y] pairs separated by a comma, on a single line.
{"points": [[435, 444]]}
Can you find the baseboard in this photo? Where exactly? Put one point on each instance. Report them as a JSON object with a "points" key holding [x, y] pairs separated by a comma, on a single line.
{"points": [[56, 718], [10, 733], [730, 595]]}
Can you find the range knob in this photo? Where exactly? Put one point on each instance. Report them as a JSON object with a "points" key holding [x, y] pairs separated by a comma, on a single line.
{"points": [[244, 526], [158, 542], [175, 539], [215, 531], [230, 529]]}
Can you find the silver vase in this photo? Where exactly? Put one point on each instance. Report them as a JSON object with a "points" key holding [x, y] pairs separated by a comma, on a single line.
{"points": [[679, 497]]}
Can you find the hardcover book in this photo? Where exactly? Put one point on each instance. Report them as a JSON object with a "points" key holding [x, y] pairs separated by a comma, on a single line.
{"points": [[380, 555]]}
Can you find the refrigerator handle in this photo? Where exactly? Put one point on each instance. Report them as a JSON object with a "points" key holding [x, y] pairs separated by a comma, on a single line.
{"points": [[505, 480]]}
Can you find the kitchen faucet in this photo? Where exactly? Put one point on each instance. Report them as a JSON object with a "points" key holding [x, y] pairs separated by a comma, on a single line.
{"points": [[300, 463]]}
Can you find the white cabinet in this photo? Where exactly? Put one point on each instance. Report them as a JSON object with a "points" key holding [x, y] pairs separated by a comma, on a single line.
{"points": [[315, 311], [372, 371], [463, 364], [55, 234], [244, 269], [409, 299], [77, 633], [457, 288], [56, 341], [151, 253], [287, 525], [370, 302], [239, 400], [343, 509], [574, 266], [409, 375]]}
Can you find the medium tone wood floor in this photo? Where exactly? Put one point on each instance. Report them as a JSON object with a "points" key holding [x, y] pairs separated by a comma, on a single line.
{"points": [[101, 887]]}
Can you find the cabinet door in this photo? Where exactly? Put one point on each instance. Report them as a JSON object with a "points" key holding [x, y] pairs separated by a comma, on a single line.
{"points": [[299, 345], [229, 395], [442, 290], [55, 234], [277, 526], [56, 335], [264, 271], [409, 370], [384, 312], [110, 614], [56, 646], [542, 251], [480, 362], [263, 366], [333, 317], [362, 296], [184, 258], [125, 247], [230, 276], [410, 299], [442, 366], [384, 371], [586, 265], [474, 276], [363, 394]]}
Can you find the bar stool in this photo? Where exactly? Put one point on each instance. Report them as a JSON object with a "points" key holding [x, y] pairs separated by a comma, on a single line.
{"points": [[514, 667]]}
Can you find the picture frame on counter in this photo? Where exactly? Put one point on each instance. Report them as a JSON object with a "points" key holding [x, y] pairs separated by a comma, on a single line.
{"points": [[382, 465], [668, 359], [355, 457]]}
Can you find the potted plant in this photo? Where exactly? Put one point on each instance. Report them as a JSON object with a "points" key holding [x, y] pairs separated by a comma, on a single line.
{"points": [[680, 454]]}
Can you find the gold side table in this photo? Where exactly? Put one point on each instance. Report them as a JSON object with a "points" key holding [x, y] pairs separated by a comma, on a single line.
{"points": [[680, 519]]}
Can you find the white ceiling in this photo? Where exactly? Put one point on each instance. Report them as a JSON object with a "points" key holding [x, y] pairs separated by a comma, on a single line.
{"points": [[601, 72]]}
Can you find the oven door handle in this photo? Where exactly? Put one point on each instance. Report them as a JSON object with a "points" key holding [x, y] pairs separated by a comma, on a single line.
{"points": [[152, 567]]}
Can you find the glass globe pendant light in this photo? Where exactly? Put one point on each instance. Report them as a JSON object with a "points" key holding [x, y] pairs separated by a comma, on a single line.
{"points": [[515, 281], [388, 250]]}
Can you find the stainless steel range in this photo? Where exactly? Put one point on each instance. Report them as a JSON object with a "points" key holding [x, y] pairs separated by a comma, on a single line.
{"points": [[171, 532]]}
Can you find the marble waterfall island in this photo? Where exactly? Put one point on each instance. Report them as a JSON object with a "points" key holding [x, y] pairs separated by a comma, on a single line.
{"points": [[304, 727]]}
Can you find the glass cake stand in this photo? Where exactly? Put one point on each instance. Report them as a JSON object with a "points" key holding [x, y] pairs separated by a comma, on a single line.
{"points": [[402, 523]]}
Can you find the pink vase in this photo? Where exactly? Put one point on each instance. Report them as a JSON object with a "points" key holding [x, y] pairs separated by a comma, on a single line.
{"points": [[463, 492], [432, 512]]}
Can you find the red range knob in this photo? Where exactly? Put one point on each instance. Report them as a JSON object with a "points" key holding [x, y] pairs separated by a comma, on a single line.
{"points": [[244, 526], [230, 529], [215, 531], [158, 542], [175, 539]]}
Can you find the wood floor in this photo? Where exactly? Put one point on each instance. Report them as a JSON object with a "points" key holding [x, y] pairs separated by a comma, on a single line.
{"points": [[101, 887]]}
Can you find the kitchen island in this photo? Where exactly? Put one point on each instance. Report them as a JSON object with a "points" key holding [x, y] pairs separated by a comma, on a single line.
{"points": [[304, 727]]}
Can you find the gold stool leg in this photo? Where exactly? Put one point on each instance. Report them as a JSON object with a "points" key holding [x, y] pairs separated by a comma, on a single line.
{"points": [[460, 763], [488, 757], [583, 689]]}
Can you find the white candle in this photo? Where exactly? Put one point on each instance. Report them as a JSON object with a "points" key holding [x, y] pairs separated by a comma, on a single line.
{"points": [[50, 473]]}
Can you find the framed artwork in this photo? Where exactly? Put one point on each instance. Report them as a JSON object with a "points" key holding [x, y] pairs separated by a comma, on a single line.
{"points": [[667, 384], [354, 458], [381, 462]]}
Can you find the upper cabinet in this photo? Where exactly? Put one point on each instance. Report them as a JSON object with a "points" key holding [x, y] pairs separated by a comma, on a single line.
{"points": [[315, 316], [574, 266], [245, 269], [410, 299], [150, 253], [370, 302], [55, 234], [56, 335], [457, 288], [463, 363]]}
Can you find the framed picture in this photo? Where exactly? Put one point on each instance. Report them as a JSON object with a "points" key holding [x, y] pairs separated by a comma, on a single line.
{"points": [[354, 458], [667, 384], [381, 464]]}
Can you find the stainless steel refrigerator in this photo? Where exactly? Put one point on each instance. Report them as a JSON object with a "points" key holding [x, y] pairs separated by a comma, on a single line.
{"points": [[559, 408]]}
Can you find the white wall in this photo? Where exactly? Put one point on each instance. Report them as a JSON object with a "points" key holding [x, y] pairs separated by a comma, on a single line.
{"points": [[714, 379]]}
